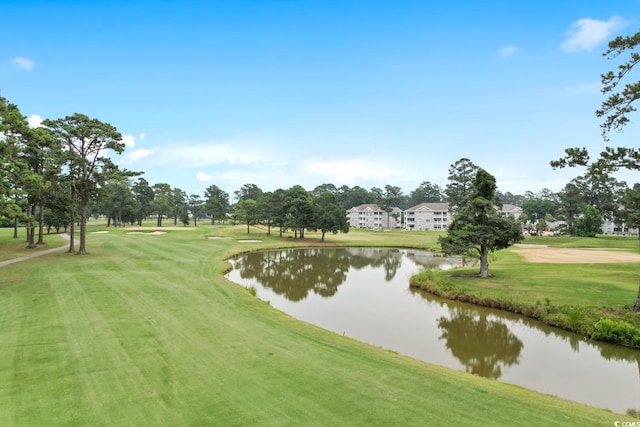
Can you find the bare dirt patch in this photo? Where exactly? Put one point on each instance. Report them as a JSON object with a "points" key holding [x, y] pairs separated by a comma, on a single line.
{"points": [[546, 254]]}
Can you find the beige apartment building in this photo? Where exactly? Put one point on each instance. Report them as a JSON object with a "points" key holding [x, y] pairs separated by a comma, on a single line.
{"points": [[437, 216], [371, 216]]}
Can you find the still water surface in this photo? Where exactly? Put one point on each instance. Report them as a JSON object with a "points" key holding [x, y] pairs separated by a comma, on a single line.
{"points": [[364, 293]]}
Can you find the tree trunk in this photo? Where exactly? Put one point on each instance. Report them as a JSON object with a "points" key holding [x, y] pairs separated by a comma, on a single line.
{"points": [[484, 261], [31, 233], [83, 229], [31, 229], [636, 306], [322, 238], [41, 225], [247, 227], [72, 231]]}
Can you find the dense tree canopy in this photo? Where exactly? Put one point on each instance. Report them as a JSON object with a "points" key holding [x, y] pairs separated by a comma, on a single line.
{"points": [[86, 142], [55, 174], [329, 215], [216, 202], [460, 186], [426, 193], [14, 131]]}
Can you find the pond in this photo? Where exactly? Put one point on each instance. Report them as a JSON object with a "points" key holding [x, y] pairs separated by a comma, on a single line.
{"points": [[364, 293]]}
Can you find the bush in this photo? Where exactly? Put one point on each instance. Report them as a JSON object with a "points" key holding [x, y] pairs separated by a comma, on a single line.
{"points": [[616, 331]]}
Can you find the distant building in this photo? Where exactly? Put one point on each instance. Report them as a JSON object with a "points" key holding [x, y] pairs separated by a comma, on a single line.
{"points": [[371, 216], [428, 216], [514, 210], [437, 216], [609, 227]]}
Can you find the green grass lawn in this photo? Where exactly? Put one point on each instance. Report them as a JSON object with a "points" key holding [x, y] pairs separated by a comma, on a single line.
{"points": [[575, 297], [612, 285], [13, 248], [145, 330]]}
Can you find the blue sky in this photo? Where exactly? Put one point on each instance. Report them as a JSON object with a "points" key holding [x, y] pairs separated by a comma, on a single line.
{"points": [[279, 93]]}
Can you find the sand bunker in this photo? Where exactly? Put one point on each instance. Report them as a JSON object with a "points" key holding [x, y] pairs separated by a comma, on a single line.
{"points": [[546, 254], [218, 238], [170, 228], [152, 233], [99, 232], [248, 241]]}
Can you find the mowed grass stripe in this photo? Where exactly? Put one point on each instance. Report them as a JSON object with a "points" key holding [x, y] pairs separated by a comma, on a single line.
{"points": [[150, 333], [115, 370]]}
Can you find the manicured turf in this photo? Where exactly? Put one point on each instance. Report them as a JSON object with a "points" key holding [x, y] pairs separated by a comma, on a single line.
{"points": [[145, 330], [594, 284]]}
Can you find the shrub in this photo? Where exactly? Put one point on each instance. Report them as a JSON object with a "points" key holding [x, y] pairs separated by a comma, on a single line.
{"points": [[616, 331]]}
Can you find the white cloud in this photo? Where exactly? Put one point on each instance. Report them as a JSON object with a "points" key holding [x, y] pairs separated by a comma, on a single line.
{"points": [[142, 136], [508, 51], [582, 88], [199, 155], [349, 172], [24, 63], [203, 177], [35, 121], [585, 34], [136, 155], [128, 140]]}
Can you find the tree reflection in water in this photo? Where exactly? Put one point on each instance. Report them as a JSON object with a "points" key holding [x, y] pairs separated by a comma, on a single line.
{"points": [[457, 334], [294, 273], [614, 352], [483, 346]]}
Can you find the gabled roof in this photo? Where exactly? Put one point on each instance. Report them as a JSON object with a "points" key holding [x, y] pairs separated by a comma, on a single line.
{"points": [[370, 207], [430, 207], [445, 206], [511, 208], [365, 207]]}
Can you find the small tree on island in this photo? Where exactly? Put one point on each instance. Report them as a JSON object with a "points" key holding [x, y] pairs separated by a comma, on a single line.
{"points": [[478, 228]]}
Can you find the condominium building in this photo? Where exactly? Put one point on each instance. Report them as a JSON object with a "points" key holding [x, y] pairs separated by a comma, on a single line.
{"points": [[371, 216], [438, 216], [428, 216]]}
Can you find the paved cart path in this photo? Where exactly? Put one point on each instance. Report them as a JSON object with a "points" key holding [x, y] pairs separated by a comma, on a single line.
{"points": [[39, 253]]}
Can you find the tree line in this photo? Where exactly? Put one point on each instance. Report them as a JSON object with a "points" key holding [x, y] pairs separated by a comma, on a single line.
{"points": [[56, 175]]}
